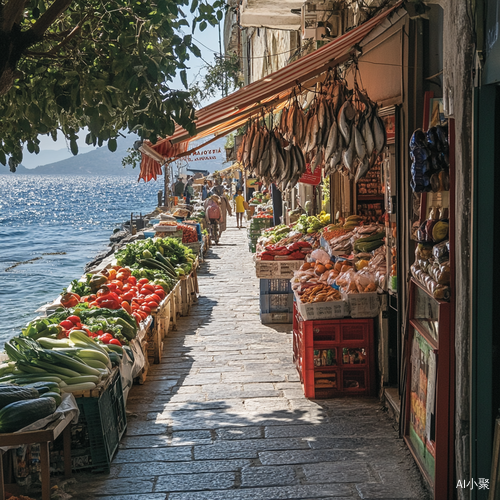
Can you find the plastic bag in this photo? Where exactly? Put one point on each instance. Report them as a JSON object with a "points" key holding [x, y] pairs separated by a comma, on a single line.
{"points": [[321, 256]]}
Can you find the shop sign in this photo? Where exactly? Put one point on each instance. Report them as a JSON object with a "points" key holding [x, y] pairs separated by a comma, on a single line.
{"points": [[252, 183], [206, 154], [311, 178]]}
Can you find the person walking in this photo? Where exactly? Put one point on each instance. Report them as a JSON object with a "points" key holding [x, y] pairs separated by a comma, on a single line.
{"points": [[213, 214], [204, 190], [217, 189], [239, 203], [188, 190], [225, 210], [179, 188]]}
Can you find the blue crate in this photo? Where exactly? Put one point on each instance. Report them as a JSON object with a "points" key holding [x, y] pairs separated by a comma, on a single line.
{"points": [[149, 234], [276, 302], [198, 228], [275, 286]]}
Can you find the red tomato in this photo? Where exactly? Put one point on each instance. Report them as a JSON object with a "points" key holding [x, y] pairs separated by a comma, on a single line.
{"points": [[112, 287], [154, 297], [160, 294], [146, 309], [148, 287], [93, 304], [67, 324], [152, 304], [132, 280], [126, 287], [128, 296], [143, 281], [138, 300], [74, 319], [142, 314], [106, 338], [115, 342], [137, 318]]}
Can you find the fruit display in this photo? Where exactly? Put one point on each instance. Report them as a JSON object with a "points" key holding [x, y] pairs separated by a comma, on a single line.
{"points": [[293, 251]]}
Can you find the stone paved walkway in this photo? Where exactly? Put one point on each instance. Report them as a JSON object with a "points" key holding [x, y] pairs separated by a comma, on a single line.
{"points": [[223, 417]]}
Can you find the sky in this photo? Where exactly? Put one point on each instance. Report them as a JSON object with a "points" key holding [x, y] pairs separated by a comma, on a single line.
{"points": [[208, 43]]}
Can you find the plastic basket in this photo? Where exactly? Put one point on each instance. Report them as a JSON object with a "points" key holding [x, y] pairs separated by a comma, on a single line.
{"points": [[277, 302], [275, 286], [106, 422], [276, 318]]}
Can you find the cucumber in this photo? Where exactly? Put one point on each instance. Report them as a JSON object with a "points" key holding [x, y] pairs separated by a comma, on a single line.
{"points": [[85, 386], [116, 348], [34, 378], [159, 257], [43, 387], [115, 359], [56, 397], [12, 394], [82, 379], [95, 363], [57, 369], [91, 354], [48, 343], [15, 416], [73, 364]]}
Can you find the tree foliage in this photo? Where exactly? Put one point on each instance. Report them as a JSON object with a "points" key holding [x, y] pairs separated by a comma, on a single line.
{"points": [[220, 78], [107, 65]]}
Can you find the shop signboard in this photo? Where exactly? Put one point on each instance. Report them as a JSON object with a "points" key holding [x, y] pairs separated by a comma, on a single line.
{"points": [[311, 178]]}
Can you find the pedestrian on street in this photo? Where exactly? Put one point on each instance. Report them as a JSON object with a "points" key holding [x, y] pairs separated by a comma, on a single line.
{"points": [[204, 190], [179, 188], [239, 202], [217, 189], [188, 190], [225, 206]]}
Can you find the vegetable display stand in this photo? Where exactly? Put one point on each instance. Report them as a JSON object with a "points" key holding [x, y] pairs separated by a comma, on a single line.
{"points": [[105, 421], [159, 329], [43, 437], [334, 357]]}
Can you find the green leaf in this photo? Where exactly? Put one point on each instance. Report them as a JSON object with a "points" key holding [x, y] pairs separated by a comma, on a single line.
{"points": [[112, 145], [194, 6], [203, 26], [3, 159], [195, 50], [184, 78], [73, 145], [220, 15]]}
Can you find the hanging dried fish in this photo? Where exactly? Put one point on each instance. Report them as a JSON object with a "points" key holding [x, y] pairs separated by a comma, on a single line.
{"points": [[359, 144], [346, 115], [331, 143], [378, 133], [348, 154]]}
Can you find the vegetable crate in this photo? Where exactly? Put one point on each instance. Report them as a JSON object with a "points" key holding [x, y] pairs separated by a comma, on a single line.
{"points": [[105, 420], [159, 329], [276, 269], [334, 358], [276, 302], [276, 318], [260, 223], [275, 286]]}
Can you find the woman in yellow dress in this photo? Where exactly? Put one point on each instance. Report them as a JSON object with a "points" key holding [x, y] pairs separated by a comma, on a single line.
{"points": [[240, 208]]}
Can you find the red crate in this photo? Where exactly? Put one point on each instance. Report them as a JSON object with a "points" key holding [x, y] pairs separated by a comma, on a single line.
{"points": [[346, 344]]}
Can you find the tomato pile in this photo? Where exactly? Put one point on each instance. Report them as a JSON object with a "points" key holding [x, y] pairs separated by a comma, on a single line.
{"points": [[189, 233], [117, 288]]}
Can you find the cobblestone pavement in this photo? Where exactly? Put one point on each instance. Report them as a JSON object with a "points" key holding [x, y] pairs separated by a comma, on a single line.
{"points": [[223, 417]]}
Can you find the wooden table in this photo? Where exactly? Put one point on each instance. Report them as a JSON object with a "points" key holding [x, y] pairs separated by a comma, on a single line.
{"points": [[44, 437]]}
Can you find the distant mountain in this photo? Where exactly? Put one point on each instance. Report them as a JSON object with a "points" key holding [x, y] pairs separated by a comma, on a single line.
{"points": [[104, 162], [97, 161], [44, 157]]}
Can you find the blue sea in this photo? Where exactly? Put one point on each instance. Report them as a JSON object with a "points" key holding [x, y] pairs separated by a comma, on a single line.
{"points": [[71, 217]]}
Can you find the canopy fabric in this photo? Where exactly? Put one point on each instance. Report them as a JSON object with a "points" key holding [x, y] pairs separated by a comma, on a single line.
{"points": [[272, 91]]}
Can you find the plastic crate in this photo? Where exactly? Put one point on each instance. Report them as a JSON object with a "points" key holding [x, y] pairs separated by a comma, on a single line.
{"points": [[106, 422], [277, 302], [275, 286], [276, 269], [258, 222], [349, 342], [197, 226], [276, 317]]}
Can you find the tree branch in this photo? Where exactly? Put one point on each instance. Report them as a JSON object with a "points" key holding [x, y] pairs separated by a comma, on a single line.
{"points": [[11, 13], [49, 16], [71, 35]]}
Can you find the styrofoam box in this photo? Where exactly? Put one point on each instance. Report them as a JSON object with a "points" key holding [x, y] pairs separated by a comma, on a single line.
{"points": [[322, 310], [363, 305], [276, 269]]}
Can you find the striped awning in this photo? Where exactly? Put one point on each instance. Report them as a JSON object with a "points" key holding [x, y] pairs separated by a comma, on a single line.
{"points": [[267, 94]]}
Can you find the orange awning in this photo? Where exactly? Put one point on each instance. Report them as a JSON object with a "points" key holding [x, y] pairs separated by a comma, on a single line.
{"points": [[272, 91]]}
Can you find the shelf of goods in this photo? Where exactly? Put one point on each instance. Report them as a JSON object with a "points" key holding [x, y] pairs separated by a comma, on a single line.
{"points": [[276, 301], [334, 357], [257, 224]]}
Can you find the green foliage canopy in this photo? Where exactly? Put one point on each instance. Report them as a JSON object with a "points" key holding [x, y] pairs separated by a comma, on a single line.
{"points": [[107, 65]]}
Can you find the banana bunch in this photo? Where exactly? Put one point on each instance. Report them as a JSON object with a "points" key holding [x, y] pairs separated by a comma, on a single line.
{"points": [[352, 221]]}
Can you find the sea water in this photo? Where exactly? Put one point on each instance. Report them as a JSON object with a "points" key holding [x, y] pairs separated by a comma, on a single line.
{"points": [[56, 225]]}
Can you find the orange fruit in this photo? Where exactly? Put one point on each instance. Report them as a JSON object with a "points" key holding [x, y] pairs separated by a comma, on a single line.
{"points": [[319, 269], [305, 266]]}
